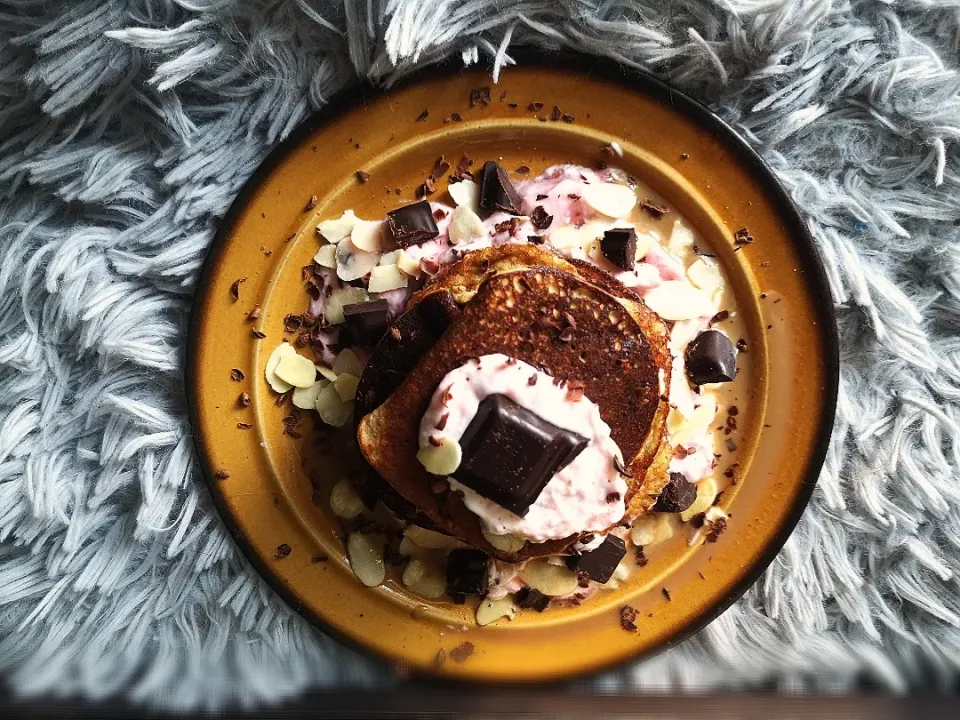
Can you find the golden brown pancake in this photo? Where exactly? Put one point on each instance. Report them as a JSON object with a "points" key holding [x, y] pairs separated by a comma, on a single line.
{"points": [[512, 300]]}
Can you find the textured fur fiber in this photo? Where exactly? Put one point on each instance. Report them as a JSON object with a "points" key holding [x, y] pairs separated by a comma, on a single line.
{"points": [[126, 128]]}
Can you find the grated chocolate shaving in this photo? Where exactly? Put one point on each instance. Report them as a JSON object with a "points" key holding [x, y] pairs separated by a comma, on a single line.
{"points": [[245, 399], [423, 116], [540, 219], [653, 210], [535, 107], [236, 374], [628, 617], [235, 288], [282, 551], [480, 96], [462, 651], [222, 474], [311, 204], [362, 176]]}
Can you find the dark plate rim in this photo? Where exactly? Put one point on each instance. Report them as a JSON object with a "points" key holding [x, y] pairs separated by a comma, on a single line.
{"points": [[636, 80]]}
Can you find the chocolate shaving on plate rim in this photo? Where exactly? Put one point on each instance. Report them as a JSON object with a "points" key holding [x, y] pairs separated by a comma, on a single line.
{"points": [[235, 288]]}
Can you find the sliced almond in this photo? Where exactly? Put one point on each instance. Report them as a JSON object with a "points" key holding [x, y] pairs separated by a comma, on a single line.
{"points": [[296, 370], [441, 458], [390, 258], [706, 494], [327, 373], [432, 582], [705, 275], [564, 237], [336, 230], [344, 501], [465, 193], [332, 409], [326, 256], [352, 262], [281, 351], [346, 386], [348, 362], [366, 558], [430, 539], [409, 265], [553, 580], [367, 235], [490, 610], [306, 398], [333, 310], [384, 278], [679, 300], [465, 226], [643, 245], [413, 572], [652, 528], [681, 239], [609, 199], [504, 543], [698, 424]]}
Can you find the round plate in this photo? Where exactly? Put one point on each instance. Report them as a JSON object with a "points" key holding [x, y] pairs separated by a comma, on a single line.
{"points": [[670, 142]]}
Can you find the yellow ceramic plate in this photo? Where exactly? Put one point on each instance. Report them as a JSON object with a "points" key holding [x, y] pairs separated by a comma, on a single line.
{"points": [[679, 149]]}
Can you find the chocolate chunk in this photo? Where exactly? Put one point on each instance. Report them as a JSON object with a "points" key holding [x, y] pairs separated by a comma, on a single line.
{"points": [[365, 323], [532, 599], [711, 358], [677, 496], [619, 246], [496, 190], [540, 219], [510, 453], [599, 564], [412, 224], [467, 572]]}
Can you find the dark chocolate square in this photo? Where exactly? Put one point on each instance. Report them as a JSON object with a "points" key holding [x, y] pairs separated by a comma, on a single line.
{"points": [[619, 246], [510, 453], [531, 598], [412, 224], [466, 572], [496, 190], [364, 323], [599, 564], [711, 358]]}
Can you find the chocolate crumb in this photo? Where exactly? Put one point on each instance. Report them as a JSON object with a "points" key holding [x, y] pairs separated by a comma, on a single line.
{"points": [[236, 374], [244, 425], [222, 474], [716, 529], [362, 176], [533, 380], [666, 594], [282, 399], [628, 617], [582, 580], [254, 314], [235, 288], [613, 497], [742, 345], [282, 551], [245, 399], [480, 96], [535, 239], [440, 658], [512, 106], [742, 237], [259, 334], [321, 558], [653, 210], [311, 204], [292, 322], [568, 118], [540, 219], [456, 117], [542, 118], [732, 410], [697, 520], [522, 170], [557, 113], [462, 651], [702, 576], [639, 556], [731, 445], [423, 116], [535, 106], [508, 226], [722, 315], [684, 156]]}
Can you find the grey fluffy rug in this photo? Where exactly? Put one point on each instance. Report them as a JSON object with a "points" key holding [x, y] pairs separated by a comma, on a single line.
{"points": [[126, 128]]}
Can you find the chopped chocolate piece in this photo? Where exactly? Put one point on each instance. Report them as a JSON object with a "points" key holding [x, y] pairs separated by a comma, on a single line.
{"points": [[619, 246], [666, 593], [282, 551], [697, 520], [222, 474], [321, 558], [311, 204], [557, 113], [245, 399], [462, 651], [440, 658], [639, 557], [535, 239], [568, 118], [542, 118], [529, 598], [523, 170], [535, 107], [507, 226], [716, 529], [292, 322], [423, 116], [512, 106], [613, 497], [412, 224], [628, 617], [720, 316], [364, 323], [742, 345], [258, 334], [733, 410], [456, 117], [540, 219], [480, 96], [677, 496], [510, 453], [496, 190], [653, 210], [254, 314], [236, 374], [362, 176], [467, 572], [235, 288], [711, 358], [244, 425], [742, 237], [599, 564]]}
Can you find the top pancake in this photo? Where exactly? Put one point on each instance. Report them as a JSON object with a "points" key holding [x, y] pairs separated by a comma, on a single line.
{"points": [[513, 300]]}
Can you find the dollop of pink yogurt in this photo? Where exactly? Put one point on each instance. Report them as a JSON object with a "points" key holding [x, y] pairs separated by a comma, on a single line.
{"points": [[576, 498]]}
